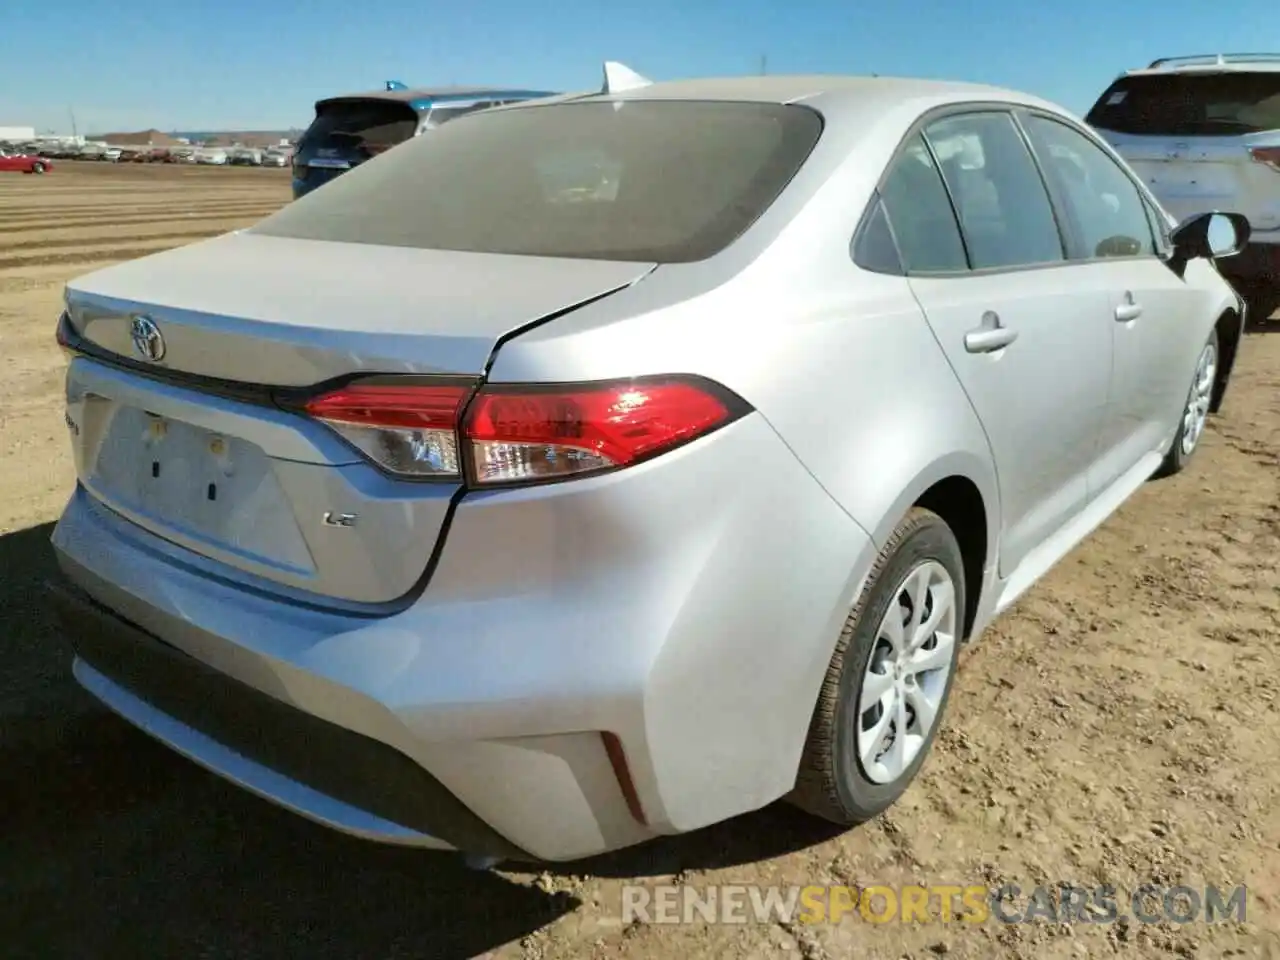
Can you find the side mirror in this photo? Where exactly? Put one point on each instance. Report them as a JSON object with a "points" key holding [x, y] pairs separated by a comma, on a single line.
{"points": [[1210, 236]]}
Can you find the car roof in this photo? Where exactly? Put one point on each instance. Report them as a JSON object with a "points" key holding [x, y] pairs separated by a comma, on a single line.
{"points": [[828, 93], [420, 95], [1210, 63]]}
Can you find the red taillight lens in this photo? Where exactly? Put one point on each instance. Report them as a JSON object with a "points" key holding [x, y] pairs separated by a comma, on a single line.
{"points": [[62, 333], [405, 428], [523, 433], [1268, 155], [513, 434]]}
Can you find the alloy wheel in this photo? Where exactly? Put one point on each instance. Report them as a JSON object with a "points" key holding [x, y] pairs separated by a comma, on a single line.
{"points": [[907, 672], [1197, 409]]}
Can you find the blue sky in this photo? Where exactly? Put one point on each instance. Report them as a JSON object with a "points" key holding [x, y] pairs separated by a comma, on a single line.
{"points": [[258, 64]]}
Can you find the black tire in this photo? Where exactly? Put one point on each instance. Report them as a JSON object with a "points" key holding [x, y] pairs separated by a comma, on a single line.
{"points": [[1177, 458], [37, 168], [1261, 302], [831, 782]]}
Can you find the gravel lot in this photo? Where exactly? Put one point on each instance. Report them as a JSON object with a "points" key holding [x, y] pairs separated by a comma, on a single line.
{"points": [[1121, 726]]}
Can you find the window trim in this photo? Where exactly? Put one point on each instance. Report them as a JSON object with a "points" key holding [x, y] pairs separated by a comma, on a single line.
{"points": [[917, 128], [1104, 148]]}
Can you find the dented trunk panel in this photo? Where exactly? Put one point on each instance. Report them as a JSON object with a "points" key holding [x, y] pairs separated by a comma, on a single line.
{"points": [[175, 405], [270, 310]]}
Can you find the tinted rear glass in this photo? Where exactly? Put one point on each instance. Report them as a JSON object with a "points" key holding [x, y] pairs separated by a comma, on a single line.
{"points": [[372, 124], [1190, 104], [670, 181]]}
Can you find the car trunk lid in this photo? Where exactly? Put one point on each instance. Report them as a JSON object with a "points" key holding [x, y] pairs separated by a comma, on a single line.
{"points": [[251, 308], [195, 447], [1192, 175]]}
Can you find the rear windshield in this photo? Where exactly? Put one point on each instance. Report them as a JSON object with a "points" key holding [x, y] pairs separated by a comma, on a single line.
{"points": [[664, 181], [376, 124], [1190, 104]]}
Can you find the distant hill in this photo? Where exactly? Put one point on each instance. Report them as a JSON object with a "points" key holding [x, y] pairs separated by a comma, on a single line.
{"points": [[250, 138], [142, 138]]}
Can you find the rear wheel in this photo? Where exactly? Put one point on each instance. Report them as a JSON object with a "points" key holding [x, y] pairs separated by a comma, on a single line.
{"points": [[889, 679], [1195, 412], [37, 167]]}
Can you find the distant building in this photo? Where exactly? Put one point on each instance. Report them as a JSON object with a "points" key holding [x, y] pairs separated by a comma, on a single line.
{"points": [[17, 133]]}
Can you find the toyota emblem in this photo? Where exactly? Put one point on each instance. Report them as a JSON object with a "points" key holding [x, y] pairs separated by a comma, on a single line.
{"points": [[147, 340]]}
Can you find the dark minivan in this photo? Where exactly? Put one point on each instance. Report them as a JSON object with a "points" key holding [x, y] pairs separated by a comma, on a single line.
{"points": [[348, 130]]}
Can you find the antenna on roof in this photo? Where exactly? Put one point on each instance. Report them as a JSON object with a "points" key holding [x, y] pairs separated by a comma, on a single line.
{"points": [[396, 85], [619, 77]]}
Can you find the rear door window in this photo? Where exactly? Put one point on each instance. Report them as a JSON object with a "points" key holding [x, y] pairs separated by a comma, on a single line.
{"points": [[1005, 213], [1190, 104]]}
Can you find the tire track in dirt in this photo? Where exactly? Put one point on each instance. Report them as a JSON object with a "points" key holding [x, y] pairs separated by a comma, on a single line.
{"points": [[37, 247], [176, 207], [110, 254], [246, 215]]}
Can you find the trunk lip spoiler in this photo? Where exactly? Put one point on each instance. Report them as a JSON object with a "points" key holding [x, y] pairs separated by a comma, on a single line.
{"points": [[290, 399]]}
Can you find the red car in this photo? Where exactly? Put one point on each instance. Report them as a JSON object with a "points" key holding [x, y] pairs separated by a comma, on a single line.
{"points": [[24, 162]]}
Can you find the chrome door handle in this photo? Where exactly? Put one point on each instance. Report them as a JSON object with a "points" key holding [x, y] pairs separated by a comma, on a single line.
{"points": [[1129, 309], [990, 337]]}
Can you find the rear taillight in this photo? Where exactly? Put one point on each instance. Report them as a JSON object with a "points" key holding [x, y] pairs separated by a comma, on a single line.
{"points": [[62, 333], [406, 429], [522, 434], [1268, 155]]}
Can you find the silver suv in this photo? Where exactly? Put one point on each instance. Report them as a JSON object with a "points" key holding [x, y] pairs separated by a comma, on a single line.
{"points": [[1204, 132]]}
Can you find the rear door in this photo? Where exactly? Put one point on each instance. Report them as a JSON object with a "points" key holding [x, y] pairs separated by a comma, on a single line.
{"points": [[1156, 318], [1029, 343], [348, 131], [1201, 139]]}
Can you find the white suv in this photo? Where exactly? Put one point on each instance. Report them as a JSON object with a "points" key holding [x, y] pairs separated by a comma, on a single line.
{"points": [[1204, 132]]}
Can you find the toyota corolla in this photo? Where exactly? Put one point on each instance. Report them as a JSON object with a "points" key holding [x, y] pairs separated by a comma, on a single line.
{"points": [[601, 468]]}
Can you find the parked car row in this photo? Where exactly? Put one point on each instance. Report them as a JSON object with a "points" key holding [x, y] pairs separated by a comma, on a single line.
{"points": [[275, 156]]}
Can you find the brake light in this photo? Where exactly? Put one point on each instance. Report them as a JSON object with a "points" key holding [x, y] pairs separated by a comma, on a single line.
{"points": [[533, 433], [1268, 155], [62, 333], [526, 433], [407, 429]]}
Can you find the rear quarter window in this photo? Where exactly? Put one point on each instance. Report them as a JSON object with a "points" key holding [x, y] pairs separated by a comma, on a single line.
{"points": [[1190, 104]]}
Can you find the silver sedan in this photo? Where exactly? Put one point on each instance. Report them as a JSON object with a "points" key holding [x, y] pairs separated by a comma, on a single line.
{"points": [[605, 467]]}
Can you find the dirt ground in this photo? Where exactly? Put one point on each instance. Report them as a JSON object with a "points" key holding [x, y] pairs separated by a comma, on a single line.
{"points": [[1121, 726]]}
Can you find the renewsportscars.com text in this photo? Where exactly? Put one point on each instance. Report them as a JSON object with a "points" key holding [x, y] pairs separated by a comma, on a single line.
{"points": [[944, 903]]}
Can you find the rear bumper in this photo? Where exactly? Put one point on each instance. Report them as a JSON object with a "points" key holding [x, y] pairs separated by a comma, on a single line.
{"points": [[687, 606], [326, 772]]}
